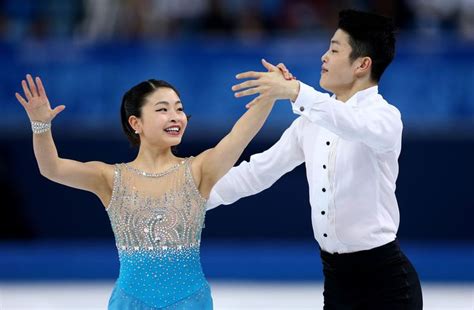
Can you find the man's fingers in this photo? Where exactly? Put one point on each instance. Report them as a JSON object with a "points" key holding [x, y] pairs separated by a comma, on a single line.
{"points": [[246, 84], [248, 92], [32, 85], [26, 90], [255, 101], [249, 74], [21, 100], [251, 103]]}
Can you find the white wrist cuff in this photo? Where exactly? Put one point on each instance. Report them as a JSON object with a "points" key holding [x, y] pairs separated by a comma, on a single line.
{"points": [[40, 127]]}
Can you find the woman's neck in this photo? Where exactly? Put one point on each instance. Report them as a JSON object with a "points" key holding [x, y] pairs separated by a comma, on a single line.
{"points": [[154, 159]]}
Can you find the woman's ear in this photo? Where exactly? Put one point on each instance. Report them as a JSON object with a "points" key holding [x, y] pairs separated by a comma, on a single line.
{"points": [[135, 123]]}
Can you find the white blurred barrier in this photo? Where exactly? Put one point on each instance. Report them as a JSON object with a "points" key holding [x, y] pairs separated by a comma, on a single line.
{"points": [[226, 295]]}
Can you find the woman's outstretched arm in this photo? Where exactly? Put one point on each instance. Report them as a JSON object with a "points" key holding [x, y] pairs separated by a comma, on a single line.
{"points": [[91, 176], [216, 162]]}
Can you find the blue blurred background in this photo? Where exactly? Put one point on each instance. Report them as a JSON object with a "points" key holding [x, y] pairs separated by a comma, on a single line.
{"points": [[89, 52]]}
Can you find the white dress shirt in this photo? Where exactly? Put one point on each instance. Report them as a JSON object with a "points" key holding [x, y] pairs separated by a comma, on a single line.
{"points": [[350, 150]]}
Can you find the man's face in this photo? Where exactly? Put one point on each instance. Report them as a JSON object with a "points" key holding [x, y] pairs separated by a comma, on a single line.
{"points": [[337, 71]]}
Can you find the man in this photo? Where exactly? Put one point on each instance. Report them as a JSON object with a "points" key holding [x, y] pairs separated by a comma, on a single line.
{"points": [[350, 143]]}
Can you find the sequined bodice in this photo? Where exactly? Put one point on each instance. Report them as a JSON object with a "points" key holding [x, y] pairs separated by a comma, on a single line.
{"points": [[156, 211], [157, 221]]}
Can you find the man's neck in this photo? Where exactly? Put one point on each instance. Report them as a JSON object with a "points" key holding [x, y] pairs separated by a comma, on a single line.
{"points": [[346, 94]]}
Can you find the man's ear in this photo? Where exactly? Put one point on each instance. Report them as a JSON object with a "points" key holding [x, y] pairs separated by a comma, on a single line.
{"points": [[364, 66]]}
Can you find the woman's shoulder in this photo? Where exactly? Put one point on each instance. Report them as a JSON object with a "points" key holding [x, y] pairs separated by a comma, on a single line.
{"points": [[195, 162], [103, 167]]}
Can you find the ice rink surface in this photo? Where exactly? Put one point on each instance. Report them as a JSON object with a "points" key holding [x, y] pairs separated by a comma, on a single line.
{"points": [[227, 295]]}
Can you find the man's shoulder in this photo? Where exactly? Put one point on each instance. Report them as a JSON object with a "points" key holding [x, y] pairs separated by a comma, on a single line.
{"points": [[379, 103]]}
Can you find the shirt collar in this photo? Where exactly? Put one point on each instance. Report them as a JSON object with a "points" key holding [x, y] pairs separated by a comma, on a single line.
{"points": [[362, 95]]}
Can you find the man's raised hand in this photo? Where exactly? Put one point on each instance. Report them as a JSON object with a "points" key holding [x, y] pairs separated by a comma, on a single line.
{"points": [[277, 83]]}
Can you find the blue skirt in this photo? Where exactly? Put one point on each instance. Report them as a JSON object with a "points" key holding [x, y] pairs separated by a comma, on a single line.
{"points": [[200, 300], [166, 279]]}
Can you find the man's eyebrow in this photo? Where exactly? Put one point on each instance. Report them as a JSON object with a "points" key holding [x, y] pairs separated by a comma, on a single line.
{"points": [[335, 42]]}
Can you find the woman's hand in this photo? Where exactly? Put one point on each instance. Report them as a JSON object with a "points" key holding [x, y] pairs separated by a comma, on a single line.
{"points": [[286, 73], [37, 104]]}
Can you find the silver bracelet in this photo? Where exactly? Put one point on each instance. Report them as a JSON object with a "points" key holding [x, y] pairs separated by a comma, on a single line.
{"points": [[40, 127]]}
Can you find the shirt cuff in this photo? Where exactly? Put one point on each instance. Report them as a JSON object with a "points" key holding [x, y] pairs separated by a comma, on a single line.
{"points": [[308, 99], [305, 100]]}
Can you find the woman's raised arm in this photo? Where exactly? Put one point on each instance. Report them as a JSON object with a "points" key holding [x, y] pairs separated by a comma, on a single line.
{"points": [[93, 176]]}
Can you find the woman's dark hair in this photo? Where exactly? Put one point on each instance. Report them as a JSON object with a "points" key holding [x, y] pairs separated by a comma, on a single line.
{"points": [[133, 101], [370, 35]]}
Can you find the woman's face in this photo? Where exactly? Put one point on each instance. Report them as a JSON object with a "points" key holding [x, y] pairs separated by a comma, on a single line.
{"points": [[163, 120]]}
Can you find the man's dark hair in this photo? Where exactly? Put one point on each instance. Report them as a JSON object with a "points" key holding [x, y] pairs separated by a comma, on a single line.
{"points": [[370, 35]]}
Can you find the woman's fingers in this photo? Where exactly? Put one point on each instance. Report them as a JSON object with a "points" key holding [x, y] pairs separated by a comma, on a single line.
{"points": [[58, 110], [269, 66], [26, 90], [41, 90], [287, 76], [282, 66], [21, 100], [286, 73], [32, 85]]}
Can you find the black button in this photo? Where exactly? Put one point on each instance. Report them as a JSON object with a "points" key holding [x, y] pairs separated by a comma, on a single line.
{"points": [[324, 166], [301, 109], [324, 190], [323, 212], [325, 235], [327, 142]]}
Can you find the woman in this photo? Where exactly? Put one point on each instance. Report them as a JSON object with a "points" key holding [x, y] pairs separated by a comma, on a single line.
{"points": [[156, 203]]}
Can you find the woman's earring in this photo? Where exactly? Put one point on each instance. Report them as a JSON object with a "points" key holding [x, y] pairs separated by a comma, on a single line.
{"points": [[136, 132]]}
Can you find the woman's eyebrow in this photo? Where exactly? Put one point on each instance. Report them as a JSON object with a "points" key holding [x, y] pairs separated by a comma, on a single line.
{"points": [[167, 103]]}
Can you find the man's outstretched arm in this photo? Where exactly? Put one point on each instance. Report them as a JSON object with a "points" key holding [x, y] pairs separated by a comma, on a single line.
{"points": [[378, 126], [261, 171]]}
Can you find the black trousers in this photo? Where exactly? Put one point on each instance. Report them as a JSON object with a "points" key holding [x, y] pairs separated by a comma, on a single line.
{"points": [[381, 278]]}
